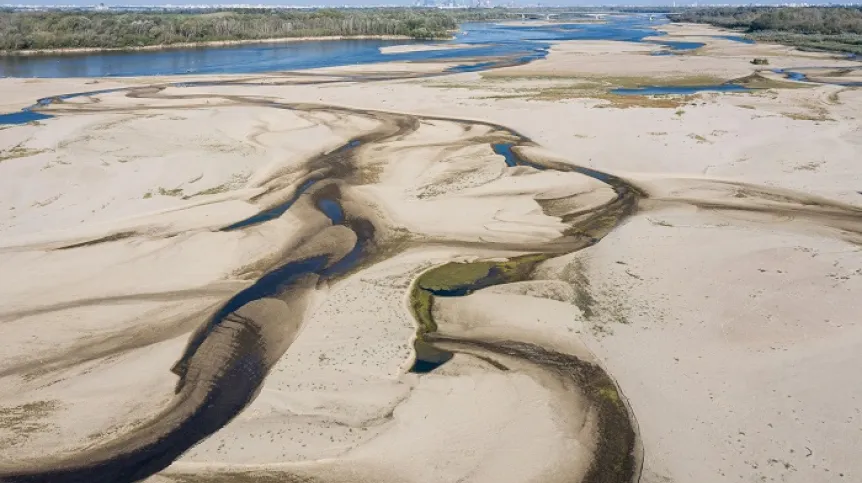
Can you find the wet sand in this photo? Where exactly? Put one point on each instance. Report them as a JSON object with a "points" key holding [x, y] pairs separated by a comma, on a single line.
{"points": [[689, 309]]}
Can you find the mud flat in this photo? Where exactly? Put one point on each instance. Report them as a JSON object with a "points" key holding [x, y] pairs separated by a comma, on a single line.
{"points": [[661, 288]]}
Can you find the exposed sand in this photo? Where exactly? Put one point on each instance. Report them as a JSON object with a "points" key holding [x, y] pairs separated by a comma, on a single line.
{"points": [[725, 306], [400, 49]]}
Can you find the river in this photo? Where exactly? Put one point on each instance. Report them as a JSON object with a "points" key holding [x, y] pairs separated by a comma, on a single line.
{"points": [[482, 40]]}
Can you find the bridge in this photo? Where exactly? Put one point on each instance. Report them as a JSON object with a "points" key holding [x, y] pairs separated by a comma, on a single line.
{"points": [[594, 15]]}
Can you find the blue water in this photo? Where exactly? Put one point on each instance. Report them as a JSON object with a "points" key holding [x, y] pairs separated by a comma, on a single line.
{"points": [[500, 44], [801, 76], [797, 76], [735, 38], [792, 75], [486, 41], [332, 210], [684, 90], [23, 117], [675, 45], [274, 212], [505, 150], [27, 114], [424, 367]]}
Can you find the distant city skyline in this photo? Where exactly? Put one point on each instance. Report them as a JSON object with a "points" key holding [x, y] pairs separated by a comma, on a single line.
{"points": [[405, 3]]}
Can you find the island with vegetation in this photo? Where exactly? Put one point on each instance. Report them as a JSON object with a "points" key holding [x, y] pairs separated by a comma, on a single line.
{"points": [[817, 28], [57, 30]]}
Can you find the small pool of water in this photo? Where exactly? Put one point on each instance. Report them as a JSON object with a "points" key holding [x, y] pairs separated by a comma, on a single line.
{"points": [[505, 150], [424, 367], [796, 75], [23, 117], [679, 45], [672, 47], [734, 38], [27, 114], [332, 210], [792, 75]]}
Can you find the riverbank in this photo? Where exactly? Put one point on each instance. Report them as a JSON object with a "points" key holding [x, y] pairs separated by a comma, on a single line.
{"points": [[112, 217], [214, 43], [813, 28]]}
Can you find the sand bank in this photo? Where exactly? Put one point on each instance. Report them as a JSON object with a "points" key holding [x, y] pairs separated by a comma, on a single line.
{"points": [[400, 49]]}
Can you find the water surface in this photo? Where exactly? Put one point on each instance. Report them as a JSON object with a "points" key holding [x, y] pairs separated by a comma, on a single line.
{"points": [[484, 40]]}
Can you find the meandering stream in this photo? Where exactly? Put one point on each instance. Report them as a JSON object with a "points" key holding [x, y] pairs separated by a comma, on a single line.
{"points": [[227, 358]]}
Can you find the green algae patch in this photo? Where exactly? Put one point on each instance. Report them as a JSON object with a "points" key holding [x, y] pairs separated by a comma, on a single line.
{"points": [[471, 276], [420, 305], [758, 81], [616, 453], [454, 274], [456, 279]]}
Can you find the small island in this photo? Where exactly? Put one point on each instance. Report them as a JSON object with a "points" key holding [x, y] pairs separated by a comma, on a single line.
{"points": [[78, 31]]}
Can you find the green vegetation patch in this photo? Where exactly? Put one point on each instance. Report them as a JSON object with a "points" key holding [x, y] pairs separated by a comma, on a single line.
{"points": [[758, 81], [457, 278], [816, 28], [21, 422], [170, 192], [18, 152], [600, 87], [81, 29]]}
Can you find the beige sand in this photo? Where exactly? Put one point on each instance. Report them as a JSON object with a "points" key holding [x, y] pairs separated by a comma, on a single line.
{"points": [[400, 49], [726, 308]]}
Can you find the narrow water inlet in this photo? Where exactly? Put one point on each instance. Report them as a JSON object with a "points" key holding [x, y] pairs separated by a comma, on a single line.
{"points": [[330, 208], [232, 331], [505, 150], [274, 212], [23, 116], [511, 158]]}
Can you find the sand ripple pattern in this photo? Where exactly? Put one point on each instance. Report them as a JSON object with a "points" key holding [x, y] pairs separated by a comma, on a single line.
{"points": [[234, 344]]}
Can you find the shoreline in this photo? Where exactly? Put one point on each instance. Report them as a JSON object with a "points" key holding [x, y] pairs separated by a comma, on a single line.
{"points": [[209, 43]]}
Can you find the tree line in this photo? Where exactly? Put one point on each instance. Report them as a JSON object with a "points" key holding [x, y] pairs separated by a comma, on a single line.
{"points": [[77, 29], [825, 28]]}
